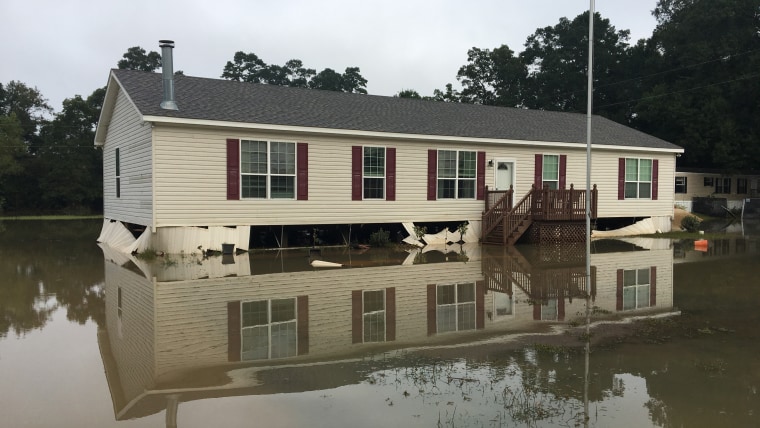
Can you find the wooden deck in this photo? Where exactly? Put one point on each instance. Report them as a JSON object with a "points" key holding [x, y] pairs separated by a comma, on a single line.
{"points": [[505, 222]]}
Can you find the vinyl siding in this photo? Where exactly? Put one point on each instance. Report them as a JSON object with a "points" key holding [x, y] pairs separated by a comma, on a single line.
{"points": [[133, 139], [191, 181]]}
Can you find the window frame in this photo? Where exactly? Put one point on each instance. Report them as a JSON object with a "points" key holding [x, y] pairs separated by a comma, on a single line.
{"points": [[368, 315], [553, 183], [683, 186], [269, 324], [457, 305], [742, 187], [638, 182], [636, 286], [383, 178], [269, 175], [457, 179], [117, 162], [721, 187]]}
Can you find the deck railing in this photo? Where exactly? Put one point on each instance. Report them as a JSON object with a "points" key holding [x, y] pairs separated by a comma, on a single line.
{"points": [[498, 203], [562, 204]]}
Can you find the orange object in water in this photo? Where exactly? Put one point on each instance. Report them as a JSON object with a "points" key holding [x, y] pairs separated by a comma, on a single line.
{"points": [[700, 245]]}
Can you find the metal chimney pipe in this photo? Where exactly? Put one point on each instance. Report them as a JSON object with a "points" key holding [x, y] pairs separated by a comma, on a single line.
{"points": [[167, 70]]}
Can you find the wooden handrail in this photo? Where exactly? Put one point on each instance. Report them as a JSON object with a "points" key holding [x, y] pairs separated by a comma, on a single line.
{"points": [[493, 214]]}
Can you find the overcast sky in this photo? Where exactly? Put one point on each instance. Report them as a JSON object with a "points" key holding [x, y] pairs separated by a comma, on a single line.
{"points": [[65, 48]]}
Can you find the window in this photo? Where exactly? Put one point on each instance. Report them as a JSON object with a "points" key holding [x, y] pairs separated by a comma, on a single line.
{"points": [[373, 315], [269, 329], [456, 174], [708, 182], [455, 307], [268, 169], [741, 186], [550, 171], [118, 173], [636, 288], [680, 184], [723, 185], [373, 172], [638, 178]]}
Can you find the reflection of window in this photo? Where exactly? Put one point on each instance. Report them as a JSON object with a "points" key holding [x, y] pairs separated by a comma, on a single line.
{"points": [[549, 310], [373, 315], [268, 169], [502, 303], [455, 307], [119, 312], [741, 186], [456, 174], [636, 288], [638, 178], [269, 329], [550, 171], [680, 184], [723, 185]]}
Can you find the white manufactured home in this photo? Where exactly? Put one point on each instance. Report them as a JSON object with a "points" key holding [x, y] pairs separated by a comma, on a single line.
{"points": [[196, 162]]}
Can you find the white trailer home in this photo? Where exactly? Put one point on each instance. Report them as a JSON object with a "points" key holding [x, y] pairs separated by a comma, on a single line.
{"points": [[196, 162]]}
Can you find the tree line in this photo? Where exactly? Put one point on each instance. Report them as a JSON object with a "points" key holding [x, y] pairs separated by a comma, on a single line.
{"points": [[695, 82]]}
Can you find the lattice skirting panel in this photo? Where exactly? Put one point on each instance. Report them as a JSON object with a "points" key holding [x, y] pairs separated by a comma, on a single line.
{"points": [[555, 233]]}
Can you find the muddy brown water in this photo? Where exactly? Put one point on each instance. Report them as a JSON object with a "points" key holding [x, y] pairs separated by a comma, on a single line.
{"points": [[448, 336]]}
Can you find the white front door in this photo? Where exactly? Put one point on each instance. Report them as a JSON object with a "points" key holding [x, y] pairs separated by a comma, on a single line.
{"points": [[505, 174]]}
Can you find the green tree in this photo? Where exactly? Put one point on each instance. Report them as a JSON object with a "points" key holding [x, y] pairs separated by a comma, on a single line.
{"points": [[492, 77], [705, 83], [11, 149], [408, 93], [137, 59], [448, 95], [28, 106]]}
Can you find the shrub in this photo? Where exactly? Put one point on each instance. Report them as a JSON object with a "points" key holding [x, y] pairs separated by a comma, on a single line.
{"points": [[381, 238], [690, 223]]}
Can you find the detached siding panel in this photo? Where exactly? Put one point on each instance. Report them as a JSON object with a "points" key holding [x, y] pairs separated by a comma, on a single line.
{"points": [[133, 138]]}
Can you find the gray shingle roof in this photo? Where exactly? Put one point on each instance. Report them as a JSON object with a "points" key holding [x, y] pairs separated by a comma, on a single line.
{"points": [[224, 100]]}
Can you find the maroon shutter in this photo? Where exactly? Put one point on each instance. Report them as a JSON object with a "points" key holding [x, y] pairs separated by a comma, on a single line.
{"points": [[302, 324], [302, 162], [621, 179], [536, 310], [480, 305], [560, 308], [390, 314], [432, 175], [655, 180], [432, 328], [481, 176], [390, 174], [233, 169], [233, 331], [356, 173], [538, 172], [653, 286], [562, 171], [619, 293], [357, 335], [593, 283]]}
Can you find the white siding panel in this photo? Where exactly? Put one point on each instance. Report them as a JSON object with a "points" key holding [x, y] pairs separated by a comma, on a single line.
{"points": [[132, 137], [191, 182]]}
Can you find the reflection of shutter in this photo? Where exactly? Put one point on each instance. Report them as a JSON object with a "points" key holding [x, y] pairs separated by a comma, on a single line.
{"points": [[432, 174], [431, 321], [390, 174], [619, 293], [356, 317], [480, 305], [653, 286], [562, 171], [536, 310], [302, 322], [233, 169], [233, 331], [390, 314], [621, 178], [302, 160], [356, 173], [538, 171], [593, 283], [655, 178], [560, 308], [481, 176]]}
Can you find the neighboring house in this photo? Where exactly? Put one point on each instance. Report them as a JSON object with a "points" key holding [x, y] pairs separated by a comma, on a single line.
{"points": [[234, 155], [705, 183]]}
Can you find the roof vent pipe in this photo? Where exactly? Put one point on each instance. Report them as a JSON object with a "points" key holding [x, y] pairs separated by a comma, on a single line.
{"points": [[167, 70]]}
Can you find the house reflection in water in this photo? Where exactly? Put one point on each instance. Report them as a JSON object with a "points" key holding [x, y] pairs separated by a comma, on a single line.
{"points": [[201, 328]]}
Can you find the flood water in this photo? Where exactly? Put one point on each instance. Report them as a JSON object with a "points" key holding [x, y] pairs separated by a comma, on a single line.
{"points": [[451, 336]]}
